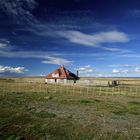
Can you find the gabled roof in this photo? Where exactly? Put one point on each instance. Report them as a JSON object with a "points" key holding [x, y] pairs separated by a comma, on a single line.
{"points": [[62, 73]]}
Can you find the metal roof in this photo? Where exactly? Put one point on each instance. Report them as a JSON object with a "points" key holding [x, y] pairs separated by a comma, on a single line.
{"points": [[62, 73]]}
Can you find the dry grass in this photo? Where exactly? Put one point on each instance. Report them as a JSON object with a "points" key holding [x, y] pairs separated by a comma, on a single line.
{"points": [[36, 111]]}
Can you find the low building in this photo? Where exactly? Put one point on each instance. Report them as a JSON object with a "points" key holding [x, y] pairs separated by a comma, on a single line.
{"points": [[61, 75]]}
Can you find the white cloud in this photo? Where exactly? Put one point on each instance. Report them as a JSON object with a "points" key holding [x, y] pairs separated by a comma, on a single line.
{"points": [[50, 57], [94, 40], [121, 72], [132, 55], [85, 70], [137, 70], [125, 71], [26, 54], [17, 11], [56, 61], [122, 65], [2, 45], [8, 69], [115, 71], [100, 75], [113, 49], [87, 66]]}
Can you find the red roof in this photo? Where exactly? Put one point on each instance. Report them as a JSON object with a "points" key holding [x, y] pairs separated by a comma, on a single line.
{"points": [[62, 73]]}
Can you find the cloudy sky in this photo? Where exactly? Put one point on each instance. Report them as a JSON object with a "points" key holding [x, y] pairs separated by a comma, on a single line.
{"points": [[96, 37]]}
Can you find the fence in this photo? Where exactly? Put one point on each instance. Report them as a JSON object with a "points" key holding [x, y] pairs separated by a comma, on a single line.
{"points": [[70, 89]]}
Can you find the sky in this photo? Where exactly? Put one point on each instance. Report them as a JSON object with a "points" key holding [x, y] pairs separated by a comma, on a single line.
{"points": [[99, 38]]}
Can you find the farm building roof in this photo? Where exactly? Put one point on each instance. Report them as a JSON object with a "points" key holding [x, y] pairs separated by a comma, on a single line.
{"points": [[62, 73]]}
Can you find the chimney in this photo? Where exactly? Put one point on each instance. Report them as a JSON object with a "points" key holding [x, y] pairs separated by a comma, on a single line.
{"points": [[77, 73]]}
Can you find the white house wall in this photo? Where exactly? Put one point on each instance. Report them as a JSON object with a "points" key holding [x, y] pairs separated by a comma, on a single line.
{"points": [[46, 80], [65, 81]]}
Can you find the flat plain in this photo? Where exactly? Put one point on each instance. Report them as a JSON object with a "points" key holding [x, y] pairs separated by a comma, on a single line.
{"points": [[32, 110]]}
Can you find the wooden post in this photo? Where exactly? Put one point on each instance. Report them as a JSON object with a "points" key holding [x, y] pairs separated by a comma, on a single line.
{"points": [[60, 89], [136, 90], [5, 88], [40, 87], [19, 87], [124, 90], [67, 89], [112, 91], [54, 88], [73, 89], [106, 91], [80, 90], [46, 88], [93, 90], [100, 91], [130, 91], [23, 87], [87, 90]]}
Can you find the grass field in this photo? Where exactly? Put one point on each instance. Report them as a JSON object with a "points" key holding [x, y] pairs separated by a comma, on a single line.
{"points": [[34, 111]]}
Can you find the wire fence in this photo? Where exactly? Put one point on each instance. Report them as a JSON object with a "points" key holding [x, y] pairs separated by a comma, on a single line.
{"points": [[70, 89]]}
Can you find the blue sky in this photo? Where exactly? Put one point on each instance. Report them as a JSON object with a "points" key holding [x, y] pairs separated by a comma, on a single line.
{"points": [[100, 38]]}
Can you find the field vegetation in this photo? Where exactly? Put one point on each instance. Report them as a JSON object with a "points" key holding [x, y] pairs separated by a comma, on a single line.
{"points": [[35, 111]]}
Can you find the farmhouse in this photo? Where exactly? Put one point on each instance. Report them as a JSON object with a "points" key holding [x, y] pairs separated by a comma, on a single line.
{"points": [[61, 75]]}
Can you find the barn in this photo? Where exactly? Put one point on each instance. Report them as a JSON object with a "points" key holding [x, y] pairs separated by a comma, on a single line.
{"points": [[61, 75]]}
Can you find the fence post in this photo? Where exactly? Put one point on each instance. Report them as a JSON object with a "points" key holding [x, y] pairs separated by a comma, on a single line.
{"points": [[40, 87], [100, 91], [46, 86], [112, 91], [130, 91], [93, 90], [106, 91], [60, 88], [124, 90], [80, 90], [23, 87], [120, 91], [87, 90], [55, 88], [67, 89], [136, 91], [19, 86], [5, 88], [127, 91]]}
